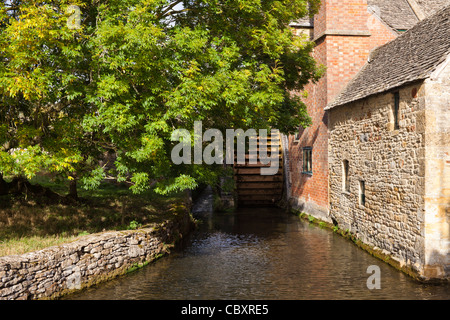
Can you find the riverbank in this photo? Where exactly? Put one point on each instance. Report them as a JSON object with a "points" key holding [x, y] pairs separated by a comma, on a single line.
{"points": [[30, 223], [49, 250], [375, 252], [262, 254], [59, 270]]}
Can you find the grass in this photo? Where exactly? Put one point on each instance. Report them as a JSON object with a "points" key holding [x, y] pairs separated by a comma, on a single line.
{"points": [[32, 224]]}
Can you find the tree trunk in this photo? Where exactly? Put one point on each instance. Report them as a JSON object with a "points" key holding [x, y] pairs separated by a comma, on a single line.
{"points": [[4, 188], [73, 193]]}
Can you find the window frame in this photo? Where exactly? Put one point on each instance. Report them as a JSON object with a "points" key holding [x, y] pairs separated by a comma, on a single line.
{"points": [[396, 110], [362, 193], [346, 176], [305, 152]]}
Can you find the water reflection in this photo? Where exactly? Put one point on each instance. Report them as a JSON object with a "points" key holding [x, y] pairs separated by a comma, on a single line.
{"points": [[263, 254]]}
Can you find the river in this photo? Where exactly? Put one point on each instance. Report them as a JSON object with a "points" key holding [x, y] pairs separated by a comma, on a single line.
{"points": [[267, 254]]}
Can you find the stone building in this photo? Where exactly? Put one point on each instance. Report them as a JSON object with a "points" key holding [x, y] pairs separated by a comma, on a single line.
{"points": [[345, 32], [389, 149]]}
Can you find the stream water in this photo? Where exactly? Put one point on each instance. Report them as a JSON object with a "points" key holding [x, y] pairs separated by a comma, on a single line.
{"points": [[263, 253]]}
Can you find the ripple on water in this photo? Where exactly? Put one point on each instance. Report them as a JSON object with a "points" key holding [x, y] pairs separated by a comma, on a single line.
{"points": [[263, 254]]}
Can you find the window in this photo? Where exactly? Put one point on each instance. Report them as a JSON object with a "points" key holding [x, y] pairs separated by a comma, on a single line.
{"points": [[307, 160], [345, 176], [396, 110], [362, 193]]}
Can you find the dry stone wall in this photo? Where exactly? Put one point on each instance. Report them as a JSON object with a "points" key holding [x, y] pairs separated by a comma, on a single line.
{"points": [[58, 270]]}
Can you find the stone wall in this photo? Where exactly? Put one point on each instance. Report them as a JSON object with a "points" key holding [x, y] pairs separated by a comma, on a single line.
{"points": [[390, 163], [437, 172], [59, 270]]}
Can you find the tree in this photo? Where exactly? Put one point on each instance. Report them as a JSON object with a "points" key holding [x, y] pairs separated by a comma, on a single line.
{"points": [[136, 71], [43, 75]]}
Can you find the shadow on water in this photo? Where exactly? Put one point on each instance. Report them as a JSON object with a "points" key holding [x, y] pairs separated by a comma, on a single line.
{"points": [[263, 253]]}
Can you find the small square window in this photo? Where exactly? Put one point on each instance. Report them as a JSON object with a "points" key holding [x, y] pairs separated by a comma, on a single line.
{"points": [[307, 160]]}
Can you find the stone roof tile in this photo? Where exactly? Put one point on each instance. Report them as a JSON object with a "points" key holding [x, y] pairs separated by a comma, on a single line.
{"points": [[432, 6], [397, 14]]}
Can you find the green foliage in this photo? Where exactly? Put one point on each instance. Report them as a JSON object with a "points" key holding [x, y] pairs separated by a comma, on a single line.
{"points": [[134, 225], [94, 179], [299, 213], [136, 71], [179, 183]]}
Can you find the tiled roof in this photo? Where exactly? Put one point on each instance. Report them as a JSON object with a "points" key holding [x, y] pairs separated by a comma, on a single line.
{"points": [[412, 56], [397, 14], [431, 6], [304, 22]]}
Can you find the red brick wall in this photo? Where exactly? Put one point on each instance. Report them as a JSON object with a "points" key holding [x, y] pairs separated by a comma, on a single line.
{"points": [[347, 54], [320, 20], [344, 49], [346, 14]]}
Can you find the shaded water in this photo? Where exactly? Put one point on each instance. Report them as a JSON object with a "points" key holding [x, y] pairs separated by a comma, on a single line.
{"points": [[264, 254]]}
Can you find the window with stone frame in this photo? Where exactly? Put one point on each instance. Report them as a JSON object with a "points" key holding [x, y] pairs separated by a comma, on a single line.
{"points": [[345, 176], [396, 110], [362, 193]]}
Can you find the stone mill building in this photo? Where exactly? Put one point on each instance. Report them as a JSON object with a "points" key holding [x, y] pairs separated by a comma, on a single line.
{"points": [[376, 160], [389, 149]]}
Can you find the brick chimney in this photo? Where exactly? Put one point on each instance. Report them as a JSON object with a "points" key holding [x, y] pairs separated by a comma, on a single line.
{"points": [[349, 30], [345, 32]]}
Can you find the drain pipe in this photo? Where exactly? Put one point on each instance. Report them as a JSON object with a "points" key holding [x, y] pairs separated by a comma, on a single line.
{"points": [[286, 171]]}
